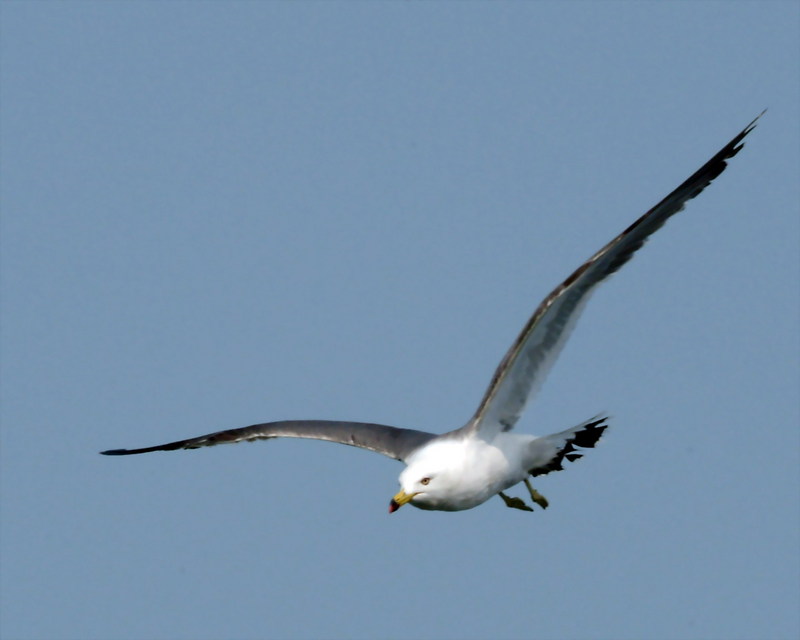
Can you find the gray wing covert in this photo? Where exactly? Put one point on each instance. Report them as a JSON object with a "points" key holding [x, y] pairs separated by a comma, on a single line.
{"points": [[393, 442], [525, 365]]}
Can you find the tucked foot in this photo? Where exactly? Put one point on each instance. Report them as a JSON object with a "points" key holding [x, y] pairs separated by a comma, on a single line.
{"points": [[514, 503], [537, 497]]}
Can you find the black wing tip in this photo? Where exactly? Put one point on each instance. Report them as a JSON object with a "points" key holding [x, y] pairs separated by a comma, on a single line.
{"points": [[129, 452], [586, 438], [590, 435], [220, 437], [752, 125], [749, 127], [736, 143]]}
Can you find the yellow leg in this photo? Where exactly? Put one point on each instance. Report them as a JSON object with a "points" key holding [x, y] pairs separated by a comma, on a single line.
{"points": [[537, 497], [514, 503]]}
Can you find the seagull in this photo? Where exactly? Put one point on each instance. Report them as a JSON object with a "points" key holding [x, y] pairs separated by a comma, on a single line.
{"points": [[464, 468]]}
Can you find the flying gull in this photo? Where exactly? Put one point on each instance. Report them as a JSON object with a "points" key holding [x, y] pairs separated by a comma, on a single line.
{"points": [[465, 467]]}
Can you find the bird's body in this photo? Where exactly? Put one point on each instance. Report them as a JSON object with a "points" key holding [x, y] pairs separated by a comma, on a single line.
{"points": [[470, 470], [463, 468]]}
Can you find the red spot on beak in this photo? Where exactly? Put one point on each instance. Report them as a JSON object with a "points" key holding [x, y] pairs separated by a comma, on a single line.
{"points": [[393, 506]]}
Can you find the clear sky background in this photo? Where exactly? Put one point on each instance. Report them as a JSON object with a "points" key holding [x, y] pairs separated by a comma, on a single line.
{"points": [[215, 214]]}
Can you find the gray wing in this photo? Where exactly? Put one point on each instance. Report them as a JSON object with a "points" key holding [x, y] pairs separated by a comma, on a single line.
{"points": [[524, 367], [390, 441]]}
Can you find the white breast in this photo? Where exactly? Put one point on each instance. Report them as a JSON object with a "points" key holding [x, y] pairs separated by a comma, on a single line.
{"points": [[467, 472]]}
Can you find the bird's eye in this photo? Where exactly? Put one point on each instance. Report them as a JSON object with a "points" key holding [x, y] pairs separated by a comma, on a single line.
{"points": [[425, 481]]}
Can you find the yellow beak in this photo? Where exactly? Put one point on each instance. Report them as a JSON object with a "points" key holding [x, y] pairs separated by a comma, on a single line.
{"points": [[399, 500]]}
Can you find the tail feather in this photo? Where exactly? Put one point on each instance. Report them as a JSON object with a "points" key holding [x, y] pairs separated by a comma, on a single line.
{"points": [[585, 436]]}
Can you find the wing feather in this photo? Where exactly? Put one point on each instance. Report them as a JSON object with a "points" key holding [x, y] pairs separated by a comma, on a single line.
{"points": [[390, 441], [522, 370]]}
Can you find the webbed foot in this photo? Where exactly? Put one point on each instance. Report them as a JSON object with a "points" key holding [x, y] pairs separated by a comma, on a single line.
{"points": [[514, 503], [537, 497]]}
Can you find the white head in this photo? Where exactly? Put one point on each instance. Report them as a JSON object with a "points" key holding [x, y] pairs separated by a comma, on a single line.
{"points": [[432, 479]]}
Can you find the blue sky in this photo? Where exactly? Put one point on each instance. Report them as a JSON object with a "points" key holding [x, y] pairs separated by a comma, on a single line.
{"points": [[215, 214]]}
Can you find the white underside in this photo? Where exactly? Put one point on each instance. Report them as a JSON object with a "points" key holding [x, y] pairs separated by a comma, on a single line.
{"points": [[467, 472]]}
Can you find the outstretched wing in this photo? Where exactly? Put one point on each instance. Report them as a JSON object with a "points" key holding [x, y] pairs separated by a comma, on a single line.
{"points": [[524, 367], [390, 441]]}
